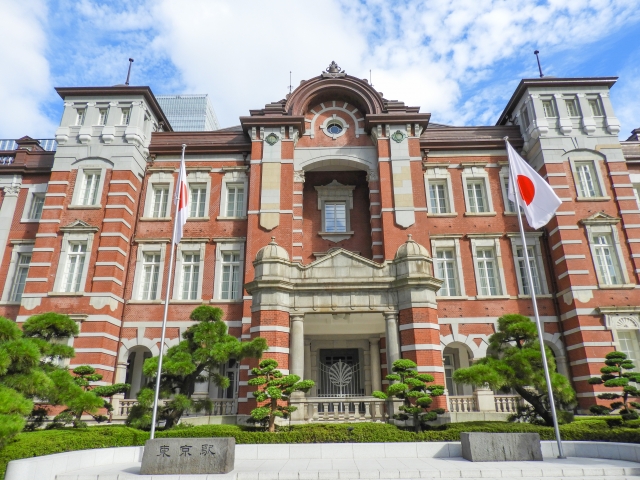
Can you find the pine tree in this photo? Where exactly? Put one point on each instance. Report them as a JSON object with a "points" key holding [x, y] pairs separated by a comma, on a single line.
{"points": [[275, 389], [614, 376], [514, 361], [415, 391]]}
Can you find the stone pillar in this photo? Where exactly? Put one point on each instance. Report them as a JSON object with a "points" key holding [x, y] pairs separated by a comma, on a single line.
{"points": [[297, 346], [297, 364], [307, 360], [374, 355], [393, 345], [7, 212], [485, 400], [136, 375]]}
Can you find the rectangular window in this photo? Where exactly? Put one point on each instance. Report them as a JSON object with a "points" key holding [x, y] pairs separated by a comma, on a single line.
{"points": [[80, 113], [20, 277], [190, 276], [126, 116], [549, 108], [160, 201], [231, 287], [438, 198], [198, 199], [487, 273], [606, 259], [447, 361], [628, 340], [477, 197], [596, 108], [572, 107], [525, 118], [75, 265], [90, 185], [102, 117], [335, 219], [150, 275], [522, 271], [235, 200], [37, 202], [446, 270], [587, 180], [509, 205]]}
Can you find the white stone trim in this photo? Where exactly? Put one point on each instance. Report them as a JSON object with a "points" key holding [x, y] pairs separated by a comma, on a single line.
{"points": [[439, 175], [158, 178], [598, 163], [33, 190], [233, 177], [495, 244], [453, 242], [67, 239], [477, 173], [609, 229], [91, 165]]}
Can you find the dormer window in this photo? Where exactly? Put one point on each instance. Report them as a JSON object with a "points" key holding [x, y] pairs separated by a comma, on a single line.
{"points": [[549, 108], [102, 118], [80, 113], [596, 108], [572, 107], [126, 116]]}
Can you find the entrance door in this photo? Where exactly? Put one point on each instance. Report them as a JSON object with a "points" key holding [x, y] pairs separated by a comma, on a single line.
{"points": [[340, 373]]}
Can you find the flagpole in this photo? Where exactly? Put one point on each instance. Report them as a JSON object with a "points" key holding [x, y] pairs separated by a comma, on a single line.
{"points": [[164, 317], [532, 291]]}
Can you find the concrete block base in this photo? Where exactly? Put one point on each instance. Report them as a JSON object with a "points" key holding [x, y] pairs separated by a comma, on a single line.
{"points": [[500, 447]]}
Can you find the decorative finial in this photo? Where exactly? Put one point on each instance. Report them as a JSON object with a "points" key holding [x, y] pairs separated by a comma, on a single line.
{"points": [[334, 68], [409, 238], [333, 71], [273, 241]]}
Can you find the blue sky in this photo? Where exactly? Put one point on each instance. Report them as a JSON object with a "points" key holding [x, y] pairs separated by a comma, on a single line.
{"points": [[459, 60]]}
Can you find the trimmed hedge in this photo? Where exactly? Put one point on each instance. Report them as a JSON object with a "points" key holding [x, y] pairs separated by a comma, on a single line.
{"points": [[46, 442]]}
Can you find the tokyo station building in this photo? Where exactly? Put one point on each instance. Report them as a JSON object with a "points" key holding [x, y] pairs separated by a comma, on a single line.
{"points": [[347, 229]]}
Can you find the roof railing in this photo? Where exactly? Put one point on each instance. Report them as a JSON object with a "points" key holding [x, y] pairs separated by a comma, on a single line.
{"points": [[47, 144]]}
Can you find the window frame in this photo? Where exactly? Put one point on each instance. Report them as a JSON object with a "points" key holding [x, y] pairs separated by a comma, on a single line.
{"points": [[34, 190], [233, 177], [164, 177], [81, 177], [477, 174], [439, 175], [138, 281], [596, 165], [102, 121], [532, 241], [595, 100], [18, 249], [450, 243], [597, 225], [81, 115], [484, 242], [72, 236], [333, 193], [200, 177], [544, 101], [221, 248], [573, 100], [185, 247], [125, 118]]}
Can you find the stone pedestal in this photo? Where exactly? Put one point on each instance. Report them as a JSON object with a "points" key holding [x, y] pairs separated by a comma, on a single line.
{"points": [[500, 447], [485, 400], [188, 456]]}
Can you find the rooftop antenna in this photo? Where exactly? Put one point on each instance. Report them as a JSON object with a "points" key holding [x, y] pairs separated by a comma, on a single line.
{"points": [[370, 82], [536, 52], [129, 72], [290, 87]]}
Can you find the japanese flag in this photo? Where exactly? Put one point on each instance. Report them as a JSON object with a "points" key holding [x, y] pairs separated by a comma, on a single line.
{"points": [[536, 197], [182, 201]]}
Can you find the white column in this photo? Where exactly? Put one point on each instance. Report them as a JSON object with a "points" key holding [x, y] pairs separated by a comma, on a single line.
{"points": [[393, 345], [296, 352], [307, 360], [7, 212], [136, 374], [374, 359]]}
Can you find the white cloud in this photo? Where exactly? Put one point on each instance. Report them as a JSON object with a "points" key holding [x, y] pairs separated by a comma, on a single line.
{"points": [[25, 83], [431, 54]]}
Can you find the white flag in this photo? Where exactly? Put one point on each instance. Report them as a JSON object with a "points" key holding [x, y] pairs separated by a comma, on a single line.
{"points": [[182, 202], [537, 198]]}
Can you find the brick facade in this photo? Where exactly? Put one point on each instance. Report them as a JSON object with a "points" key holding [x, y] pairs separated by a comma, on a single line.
{"points": [[379, 163]]}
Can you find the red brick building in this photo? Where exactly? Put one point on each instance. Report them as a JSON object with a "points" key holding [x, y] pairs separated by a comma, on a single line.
{"points": [[347, 229]]}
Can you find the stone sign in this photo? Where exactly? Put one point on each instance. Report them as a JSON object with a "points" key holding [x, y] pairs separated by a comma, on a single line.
{"points": [[164, 456], [500, 447]]}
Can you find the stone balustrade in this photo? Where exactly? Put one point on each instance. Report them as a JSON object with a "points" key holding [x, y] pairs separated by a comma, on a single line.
{"points": [[339, 410], [484, 400]]}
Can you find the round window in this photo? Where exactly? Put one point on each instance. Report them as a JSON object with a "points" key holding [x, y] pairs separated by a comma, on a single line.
{"points": [[334, 128]]}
